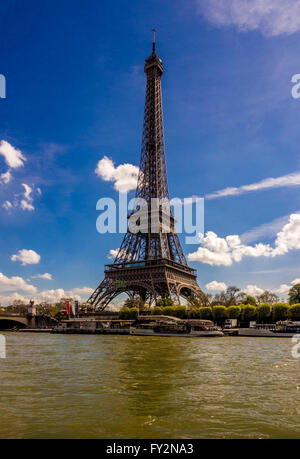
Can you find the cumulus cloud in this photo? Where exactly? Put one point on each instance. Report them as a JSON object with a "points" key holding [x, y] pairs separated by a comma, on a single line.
{"points": [[25, 205], [5, 177], [253, 290], [113, 253], [46, 276], [218, 251], [50, 296], [216, 286], [27, 257], [284, 288], [6, 300], [124, 176], [12, 156], [8, 284], [289, 180], [270, 17]]}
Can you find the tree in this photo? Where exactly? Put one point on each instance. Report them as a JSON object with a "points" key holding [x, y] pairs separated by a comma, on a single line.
{"points": [[133, 313], [219, 313], [205, 313], [294, 312], [169, 311], [268, 297], [280, 311], [163, 302], [124, 313], [251, 300], [157, 311], [228, 297], [248, 313], [134, 302], [181, 312], [264, 311], [294, 294], [194, 313], [234, 312]]}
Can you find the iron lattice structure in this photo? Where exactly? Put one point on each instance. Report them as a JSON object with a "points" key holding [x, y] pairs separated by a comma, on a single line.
{"points": [[150, 263]]}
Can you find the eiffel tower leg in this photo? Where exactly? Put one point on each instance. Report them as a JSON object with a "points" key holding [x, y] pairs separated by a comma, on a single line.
{"points": [[103, 295]]}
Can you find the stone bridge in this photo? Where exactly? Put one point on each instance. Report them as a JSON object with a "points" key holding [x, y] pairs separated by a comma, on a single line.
{"points": [[8, 321]]}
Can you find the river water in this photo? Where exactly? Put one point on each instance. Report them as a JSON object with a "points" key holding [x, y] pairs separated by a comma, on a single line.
{"points": [[93, 386]]}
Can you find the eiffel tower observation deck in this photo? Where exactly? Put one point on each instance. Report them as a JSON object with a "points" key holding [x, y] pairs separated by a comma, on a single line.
{"points": [[150, 262]]}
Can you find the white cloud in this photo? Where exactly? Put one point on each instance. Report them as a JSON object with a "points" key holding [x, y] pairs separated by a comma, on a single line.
{"points": [[50, 296], [8, 284], [253, 290], [27, 192], [289, 180], [5, 177], [266, 230], [283, 289], [223, 251], [13, 157], [81, 291], [6, 300], [124, 176], [296, 281], [7, 205], [26, 205], [27, 257], [46, 276], [271, 17], [216, 286]]}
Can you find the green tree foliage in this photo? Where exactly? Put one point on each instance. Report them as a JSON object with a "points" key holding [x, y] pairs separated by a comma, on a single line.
{"points": [[280, 311], [157, 311], [206, 313], [294, 294], [194, 313], [251, 300], [219, 313], [163, 302], [181, 312], [134, 302], [133, 313], [248, 312], [294, 312], [264, 312], [234, 312], [124, 313], [169, 311]]}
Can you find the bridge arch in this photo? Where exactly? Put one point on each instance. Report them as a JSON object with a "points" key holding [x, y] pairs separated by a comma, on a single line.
{"points": [[9, 322]]}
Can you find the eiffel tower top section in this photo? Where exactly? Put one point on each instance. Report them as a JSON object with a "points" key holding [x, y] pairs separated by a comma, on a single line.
{"points": [[152, 180]]}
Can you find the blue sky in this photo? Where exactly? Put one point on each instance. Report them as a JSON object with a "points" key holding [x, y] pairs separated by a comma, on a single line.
{"points": [[75, 93]]}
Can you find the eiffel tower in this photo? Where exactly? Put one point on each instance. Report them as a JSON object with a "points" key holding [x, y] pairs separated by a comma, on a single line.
{"points": [[150, 264]]}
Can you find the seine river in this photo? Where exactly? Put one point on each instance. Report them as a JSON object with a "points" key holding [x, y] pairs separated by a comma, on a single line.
{"points": [[71, 386]]}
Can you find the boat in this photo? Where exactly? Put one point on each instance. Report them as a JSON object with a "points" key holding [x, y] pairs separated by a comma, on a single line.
{"points": [[172, 326], [282, 329]]}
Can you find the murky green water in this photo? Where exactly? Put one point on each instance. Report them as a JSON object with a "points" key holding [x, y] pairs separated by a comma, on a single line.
{"points": [[58, 386]]}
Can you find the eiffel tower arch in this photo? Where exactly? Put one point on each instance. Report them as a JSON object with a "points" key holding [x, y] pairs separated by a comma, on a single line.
{"points": [[150, 263]]}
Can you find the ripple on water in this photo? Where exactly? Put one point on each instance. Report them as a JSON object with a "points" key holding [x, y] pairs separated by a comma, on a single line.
{"points": [[57, 386]]}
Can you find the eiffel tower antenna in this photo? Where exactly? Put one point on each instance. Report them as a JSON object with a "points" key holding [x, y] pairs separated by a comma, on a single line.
{"points": [[150, 264]]}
